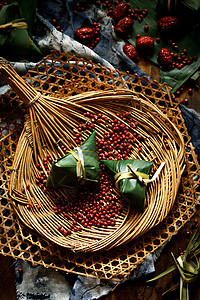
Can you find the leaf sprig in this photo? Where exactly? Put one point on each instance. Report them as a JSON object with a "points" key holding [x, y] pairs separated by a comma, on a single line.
{"points": [[188, 265]]}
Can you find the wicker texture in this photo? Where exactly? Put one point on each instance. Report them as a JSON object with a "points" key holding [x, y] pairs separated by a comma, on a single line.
{"points": [[103, 265]]}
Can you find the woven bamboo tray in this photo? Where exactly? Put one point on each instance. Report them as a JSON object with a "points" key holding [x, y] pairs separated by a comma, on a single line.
{"points": [[139, 252], [120, 118]]}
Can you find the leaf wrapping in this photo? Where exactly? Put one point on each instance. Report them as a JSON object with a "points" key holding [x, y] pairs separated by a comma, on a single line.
{"points": [[18, 39], [78, 167], [132, 189]]}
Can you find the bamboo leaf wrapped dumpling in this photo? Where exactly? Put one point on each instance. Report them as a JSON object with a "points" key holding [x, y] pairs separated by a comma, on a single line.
{"points": [[16, 23], [128, 176], [78, 167]]}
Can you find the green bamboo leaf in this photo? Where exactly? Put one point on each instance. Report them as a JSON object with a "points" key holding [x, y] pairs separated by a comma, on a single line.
{"points": [[198, 263], [173, 288], [64, 170], [195, 253], [193, 4], [195, 76], [27, 10], [17, 39], [179, 265], [190, 266], [133, 190], [184, 290], [169, 270], [190, 41], [194, 245], [186, 266], [186, 275]]}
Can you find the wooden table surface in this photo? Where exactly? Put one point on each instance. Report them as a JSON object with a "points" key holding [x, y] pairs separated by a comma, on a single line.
{"points": [[136, 289]]}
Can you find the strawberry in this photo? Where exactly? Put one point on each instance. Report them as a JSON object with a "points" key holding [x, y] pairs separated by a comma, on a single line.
{"points": [[168, 25], [145, 44], [130, 51], [165, 58]]}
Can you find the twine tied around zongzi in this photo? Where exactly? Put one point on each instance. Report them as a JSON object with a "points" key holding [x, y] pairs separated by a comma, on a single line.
{"points": [[80, 169], [15, 24], [140, 177], [130, 175]]}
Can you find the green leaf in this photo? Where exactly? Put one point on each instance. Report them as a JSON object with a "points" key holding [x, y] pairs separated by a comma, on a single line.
{"points": [[194, 245], [184, 290], [27, 10], [131, 189], [190, 267], [190, 41], [195, 76], [16, 43], [188, 270], [193, 4], [169, 270], [186, 275], [173, 288], [64, 170]]}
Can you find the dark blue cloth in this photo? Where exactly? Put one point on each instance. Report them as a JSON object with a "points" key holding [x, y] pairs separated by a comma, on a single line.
{"points": [[192, 122]]}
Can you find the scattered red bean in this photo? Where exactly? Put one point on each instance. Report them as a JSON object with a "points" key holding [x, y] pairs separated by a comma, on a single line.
{"points": [[20, 270], [188, 233], [195, 58]]}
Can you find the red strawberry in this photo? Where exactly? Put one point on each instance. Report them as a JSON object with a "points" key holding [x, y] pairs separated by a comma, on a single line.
{"points": [[145, 43], [168, 25], [165, 58], [130, 51]]}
